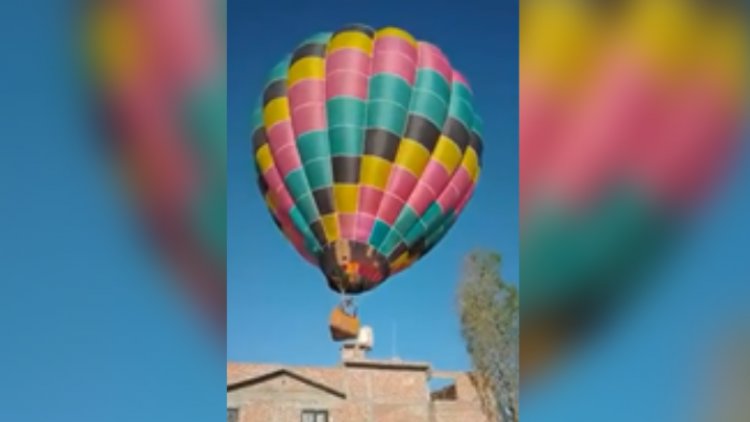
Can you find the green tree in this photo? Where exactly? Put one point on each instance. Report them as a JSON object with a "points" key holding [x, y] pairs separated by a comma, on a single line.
{"points": [[488, 308]]}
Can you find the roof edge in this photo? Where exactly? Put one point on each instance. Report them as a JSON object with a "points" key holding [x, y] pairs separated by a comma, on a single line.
{"points": [[387, 364], [283, 371]]}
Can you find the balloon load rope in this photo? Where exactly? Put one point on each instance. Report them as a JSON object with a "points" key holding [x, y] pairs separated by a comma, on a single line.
{"points": [[347, 303]]}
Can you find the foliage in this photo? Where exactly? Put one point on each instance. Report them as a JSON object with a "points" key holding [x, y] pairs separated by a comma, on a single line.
{"points": [[488, 308]]}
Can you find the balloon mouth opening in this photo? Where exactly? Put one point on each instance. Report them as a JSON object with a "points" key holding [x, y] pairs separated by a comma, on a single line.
{"points": [[352, 267]]}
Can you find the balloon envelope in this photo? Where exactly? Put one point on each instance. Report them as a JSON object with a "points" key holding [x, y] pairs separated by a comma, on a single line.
{"points": [[367, 148]]}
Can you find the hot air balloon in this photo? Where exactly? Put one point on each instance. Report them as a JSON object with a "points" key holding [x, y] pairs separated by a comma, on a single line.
{"points": [[367, 148]]}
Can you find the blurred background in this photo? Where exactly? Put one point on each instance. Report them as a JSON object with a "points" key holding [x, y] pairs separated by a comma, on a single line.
{"points": [[633, 198], [113, 210]]}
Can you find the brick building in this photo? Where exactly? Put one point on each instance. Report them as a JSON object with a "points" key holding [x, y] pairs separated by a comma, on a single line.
{"points": [[357, 390]]}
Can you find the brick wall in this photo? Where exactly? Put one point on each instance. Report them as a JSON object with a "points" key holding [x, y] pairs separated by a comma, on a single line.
{"points": [[467, 405], [364, 391], [389, 393]]}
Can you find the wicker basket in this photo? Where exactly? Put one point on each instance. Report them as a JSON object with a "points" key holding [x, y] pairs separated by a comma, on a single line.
{"points": [[343, 326]]}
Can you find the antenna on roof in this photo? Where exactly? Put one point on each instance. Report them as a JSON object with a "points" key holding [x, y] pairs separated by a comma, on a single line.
{"points": [[394, 341]]}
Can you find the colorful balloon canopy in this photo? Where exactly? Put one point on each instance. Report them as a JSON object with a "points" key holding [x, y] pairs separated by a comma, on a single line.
{"points": [[161, 93], [629, 113], [627, 118], [367, 148]]}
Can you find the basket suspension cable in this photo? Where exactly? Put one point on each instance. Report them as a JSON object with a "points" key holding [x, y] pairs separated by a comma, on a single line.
{"points": [[347, 302], [342, 294]]}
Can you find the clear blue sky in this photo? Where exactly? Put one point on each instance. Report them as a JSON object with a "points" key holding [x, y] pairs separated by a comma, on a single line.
{"points": [[279, 304]]}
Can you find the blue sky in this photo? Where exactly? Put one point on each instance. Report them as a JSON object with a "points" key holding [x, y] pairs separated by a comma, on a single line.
{"points": [[278, 304]]}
